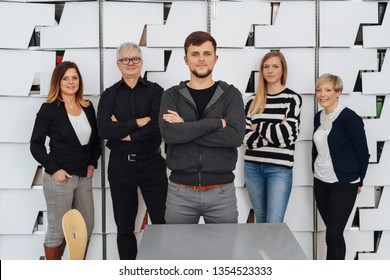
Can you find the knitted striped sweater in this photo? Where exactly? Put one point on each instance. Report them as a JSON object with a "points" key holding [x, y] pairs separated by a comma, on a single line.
{"points": [[277, 129]]}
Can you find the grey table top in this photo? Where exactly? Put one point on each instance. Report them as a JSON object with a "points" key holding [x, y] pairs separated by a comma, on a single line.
{"points": [[219, 241]]}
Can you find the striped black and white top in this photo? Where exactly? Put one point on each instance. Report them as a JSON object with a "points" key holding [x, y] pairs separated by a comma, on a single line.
{"points": [[277, 129]]}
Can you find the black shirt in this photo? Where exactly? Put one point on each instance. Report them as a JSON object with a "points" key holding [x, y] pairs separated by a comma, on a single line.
{"points": [[128, 104], [202, 97]]}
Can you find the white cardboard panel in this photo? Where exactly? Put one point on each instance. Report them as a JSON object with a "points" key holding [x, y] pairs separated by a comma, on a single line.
{"points": [[378, 36], [21, 19], [299, 213], [21, 246], [249, 13], [184, 18], [378, 174], [302, 172], [377, 219], [294, 27], [125, 21], [346, 63], [78, 28], [17, 127], [307, 116], [340, 21], [18, 69], [301, 67], [383, 252], [378, 82], [17, 166], [19, 210]]}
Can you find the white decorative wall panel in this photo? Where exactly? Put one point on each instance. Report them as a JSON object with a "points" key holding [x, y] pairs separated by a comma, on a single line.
{"points": [[294, 27], [377, 219], [302, 172], [183, 18], [18, 69], [377, 174], [340, 21], [249, 13], [11, 118], [14, 218], [21, 246], [346, 63], [307, 114], [17, 167], [383, 252], [378, 83], [301, 69], [378, 36], [125, 21], [21, 19], [299, 214], [78, 28]]}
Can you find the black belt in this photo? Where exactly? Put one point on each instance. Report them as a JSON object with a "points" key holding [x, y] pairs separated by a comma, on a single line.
{"points": [[137, 157]]}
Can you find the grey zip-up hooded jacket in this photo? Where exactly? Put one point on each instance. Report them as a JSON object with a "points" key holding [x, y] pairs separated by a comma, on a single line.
{"points": [[201, 152]]}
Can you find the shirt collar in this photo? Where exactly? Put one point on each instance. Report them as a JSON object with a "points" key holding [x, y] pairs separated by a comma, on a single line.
{"points": [[140, 80]]}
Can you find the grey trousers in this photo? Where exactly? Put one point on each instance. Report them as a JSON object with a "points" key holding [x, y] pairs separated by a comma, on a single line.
{"points": [[186, 206], [75, 193]]}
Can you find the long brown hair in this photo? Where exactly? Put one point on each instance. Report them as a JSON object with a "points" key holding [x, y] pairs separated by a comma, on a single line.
{"points": [[55, 90], [260, 100]]}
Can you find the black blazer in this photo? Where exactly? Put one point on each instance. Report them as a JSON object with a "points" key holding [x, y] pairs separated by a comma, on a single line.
{"points": [[66, 151]]}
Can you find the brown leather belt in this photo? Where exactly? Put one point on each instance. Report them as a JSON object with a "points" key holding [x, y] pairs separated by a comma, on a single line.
{"points": [[201, 188]]}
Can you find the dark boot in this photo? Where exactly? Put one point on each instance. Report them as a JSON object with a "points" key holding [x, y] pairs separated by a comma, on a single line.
{"points": [[53, 253]]}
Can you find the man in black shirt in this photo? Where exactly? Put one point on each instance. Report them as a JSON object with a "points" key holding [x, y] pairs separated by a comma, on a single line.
{"points": [[128, 118]]}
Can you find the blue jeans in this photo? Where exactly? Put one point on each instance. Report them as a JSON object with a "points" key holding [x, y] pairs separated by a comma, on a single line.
{"points": [[269, 187]]}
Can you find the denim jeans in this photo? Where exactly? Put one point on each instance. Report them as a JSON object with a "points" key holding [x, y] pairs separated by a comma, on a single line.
{"points": [[269, 187], [75, 193]]}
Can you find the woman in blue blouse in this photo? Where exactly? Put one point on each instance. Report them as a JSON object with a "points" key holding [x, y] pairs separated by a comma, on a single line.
{"points": [[70, 122], [340, 161]]}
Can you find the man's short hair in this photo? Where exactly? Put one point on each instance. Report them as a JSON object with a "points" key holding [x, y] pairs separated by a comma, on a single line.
{"points": [[197, 38], [127, 46]]}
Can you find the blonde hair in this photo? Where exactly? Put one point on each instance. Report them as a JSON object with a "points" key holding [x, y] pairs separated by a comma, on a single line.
{"points": [[330, 78], [55, 84], [260, 100]]}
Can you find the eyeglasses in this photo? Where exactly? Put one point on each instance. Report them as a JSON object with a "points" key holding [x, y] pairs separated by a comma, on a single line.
{"points": [[126, 60]]}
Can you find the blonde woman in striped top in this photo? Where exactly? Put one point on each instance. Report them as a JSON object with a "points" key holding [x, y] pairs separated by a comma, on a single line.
{"points": [[272, 127]]}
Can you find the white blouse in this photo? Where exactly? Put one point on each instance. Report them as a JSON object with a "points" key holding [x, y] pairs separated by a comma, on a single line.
{"points": [[323, 166], [82, 127]]}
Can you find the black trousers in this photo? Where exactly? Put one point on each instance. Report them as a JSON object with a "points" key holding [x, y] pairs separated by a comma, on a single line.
{"points": [[335, 202], [125, 177]]}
